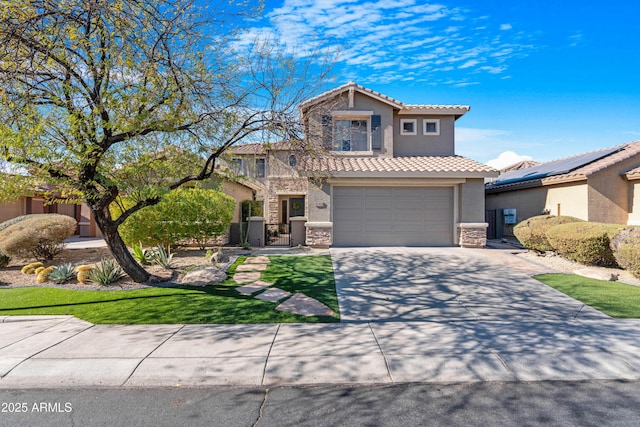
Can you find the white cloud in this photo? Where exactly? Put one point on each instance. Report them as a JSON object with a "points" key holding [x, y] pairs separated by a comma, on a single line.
{"points": [[575, 39], [507, 158], [396, 36]]}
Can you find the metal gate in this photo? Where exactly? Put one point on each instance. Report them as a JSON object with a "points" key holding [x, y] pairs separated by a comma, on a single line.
{"points": [[277, 234]]}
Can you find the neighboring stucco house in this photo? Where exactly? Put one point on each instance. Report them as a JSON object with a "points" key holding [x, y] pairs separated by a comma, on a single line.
{"points": [[38, 203], [372, 172], [599, 186]]}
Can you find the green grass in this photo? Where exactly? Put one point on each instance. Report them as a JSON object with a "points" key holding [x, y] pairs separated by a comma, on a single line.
{"points": [[312, 275], [612, 298]]}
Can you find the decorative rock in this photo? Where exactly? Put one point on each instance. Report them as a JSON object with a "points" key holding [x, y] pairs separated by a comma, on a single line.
{"points": [[204, 276], [273, 295], [252, 287], [594, 273], [245, 277], [251, 267], [257, 260], [219, 258], [304, 305]]}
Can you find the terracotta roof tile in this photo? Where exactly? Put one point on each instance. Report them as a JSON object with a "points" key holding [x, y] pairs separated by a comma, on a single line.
{"points": [[436, 164], [443, 109]]}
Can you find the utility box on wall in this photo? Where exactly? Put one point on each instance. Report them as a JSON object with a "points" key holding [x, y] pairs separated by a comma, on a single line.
{"points": [[509, 216]]}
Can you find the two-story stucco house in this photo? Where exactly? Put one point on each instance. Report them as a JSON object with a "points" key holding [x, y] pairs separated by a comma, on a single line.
{"points": [[382, 173]]}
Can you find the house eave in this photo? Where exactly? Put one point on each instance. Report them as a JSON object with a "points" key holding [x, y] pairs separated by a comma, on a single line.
{"points": [[409, 175]]}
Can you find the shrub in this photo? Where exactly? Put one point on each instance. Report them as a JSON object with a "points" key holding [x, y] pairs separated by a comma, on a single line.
{"points": [[17, 219], [182, 216], [40, 236], [4, 259], [251, 208], [585, 242], [106, 273], [626, 249], [532, 232]]}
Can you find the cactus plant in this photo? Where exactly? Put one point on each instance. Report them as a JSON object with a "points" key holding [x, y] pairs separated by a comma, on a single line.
{"points": [[31, 268], [62, 273], [43, 275], [83, 273]]}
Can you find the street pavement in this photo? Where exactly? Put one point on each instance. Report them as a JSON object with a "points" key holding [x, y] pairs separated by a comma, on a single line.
{"points": [[426, 315]]}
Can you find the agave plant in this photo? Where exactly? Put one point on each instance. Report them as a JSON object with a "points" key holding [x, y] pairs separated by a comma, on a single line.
{"points": [[62, 273], [142, 255], [162, 257], [107, 272]]}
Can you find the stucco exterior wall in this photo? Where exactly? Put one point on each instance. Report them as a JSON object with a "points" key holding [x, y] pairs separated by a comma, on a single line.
{"points": [[240, 193], [424, 145], [319, 202], [11, 209], [471, 201], [568, 200], [527, 202], [609, 196]]}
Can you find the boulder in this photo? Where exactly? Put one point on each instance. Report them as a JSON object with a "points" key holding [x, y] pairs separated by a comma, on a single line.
{"points": [[204, 276]]}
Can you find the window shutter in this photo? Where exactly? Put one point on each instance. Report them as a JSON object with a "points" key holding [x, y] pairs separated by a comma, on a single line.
{"points": [[327, 129], [376, 132]]}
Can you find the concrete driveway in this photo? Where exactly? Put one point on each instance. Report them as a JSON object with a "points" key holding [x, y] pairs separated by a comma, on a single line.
{"points": [[445, 284]]}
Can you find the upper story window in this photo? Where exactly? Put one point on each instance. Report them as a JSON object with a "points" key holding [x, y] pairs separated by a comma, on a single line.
{"points": [[431, 127], [352, 131], [255, 169], [261, 168], [292, 160], [351, 135], [408, 127], [236, 165]]}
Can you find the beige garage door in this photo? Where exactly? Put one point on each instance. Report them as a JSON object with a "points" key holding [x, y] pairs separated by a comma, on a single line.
{"points": [[393, 216]]}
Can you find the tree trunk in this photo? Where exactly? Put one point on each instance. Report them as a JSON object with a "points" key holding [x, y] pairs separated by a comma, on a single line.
{"points": [[118, 248]]}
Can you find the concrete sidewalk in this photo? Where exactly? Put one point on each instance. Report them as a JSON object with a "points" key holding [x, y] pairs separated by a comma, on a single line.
{"points": [[61, 351]]}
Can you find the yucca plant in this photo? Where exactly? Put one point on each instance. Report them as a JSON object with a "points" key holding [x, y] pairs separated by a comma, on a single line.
{"points": [[162, 257], [142, 255], [106, 273], [62, 273]]}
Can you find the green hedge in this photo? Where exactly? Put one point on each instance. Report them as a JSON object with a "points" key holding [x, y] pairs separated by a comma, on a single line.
{"points": [[532, 232], [626, 249], [183, 216], [585, 242]]}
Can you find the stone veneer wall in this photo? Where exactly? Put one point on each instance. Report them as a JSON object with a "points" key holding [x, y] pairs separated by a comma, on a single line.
{"points": [[472, 235], [320, 235], [281, 186]]}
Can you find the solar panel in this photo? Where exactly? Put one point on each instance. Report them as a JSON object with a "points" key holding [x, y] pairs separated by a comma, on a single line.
{"points": [[557, 167]]}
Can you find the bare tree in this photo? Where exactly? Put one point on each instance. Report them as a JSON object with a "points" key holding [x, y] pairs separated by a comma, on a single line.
{"points": [[89, 88]]}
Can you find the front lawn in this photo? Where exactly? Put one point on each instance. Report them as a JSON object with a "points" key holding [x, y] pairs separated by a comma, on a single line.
{"points": [[312, 275], [612, 298]]}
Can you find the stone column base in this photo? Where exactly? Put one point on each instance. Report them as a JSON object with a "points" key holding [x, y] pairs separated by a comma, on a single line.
{"points": [[319, 234], [472, 234]]}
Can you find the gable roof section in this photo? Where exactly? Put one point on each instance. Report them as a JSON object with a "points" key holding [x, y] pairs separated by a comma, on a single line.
{"points": [[457, 110], [419, 166], [570, 169]]}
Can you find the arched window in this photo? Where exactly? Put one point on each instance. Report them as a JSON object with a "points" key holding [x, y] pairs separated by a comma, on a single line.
{"points": [[292, 160]]}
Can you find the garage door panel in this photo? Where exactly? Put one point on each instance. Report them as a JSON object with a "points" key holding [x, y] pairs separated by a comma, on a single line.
{"points": [[393, 216]]}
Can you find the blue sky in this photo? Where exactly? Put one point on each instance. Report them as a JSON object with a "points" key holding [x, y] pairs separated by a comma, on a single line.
{"points": [[545, 79]]}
